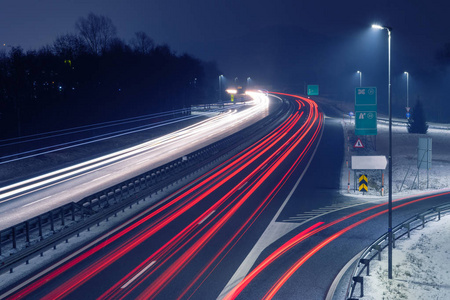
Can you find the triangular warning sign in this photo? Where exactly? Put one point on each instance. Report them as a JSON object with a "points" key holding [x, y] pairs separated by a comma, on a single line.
{"points": [[358, 144]]}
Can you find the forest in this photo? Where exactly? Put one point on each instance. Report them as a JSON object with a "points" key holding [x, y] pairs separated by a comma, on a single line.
{"points": [[92, 76]]}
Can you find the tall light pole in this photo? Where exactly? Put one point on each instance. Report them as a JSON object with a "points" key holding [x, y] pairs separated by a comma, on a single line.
{"points": [[407, 90], [360, 78], [389, 30], [220, 88], [248, 81]]}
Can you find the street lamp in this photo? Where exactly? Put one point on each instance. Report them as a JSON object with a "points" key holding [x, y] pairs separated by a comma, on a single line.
{"points": [[389, 30], [360, 78], [407, 91], [248, 81], [220, 88]]}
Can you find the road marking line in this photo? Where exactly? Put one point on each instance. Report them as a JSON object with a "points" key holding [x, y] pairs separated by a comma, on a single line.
{"points": [[138, 274], [242, 186], [34, 202], [204, 219], [101, 177]]}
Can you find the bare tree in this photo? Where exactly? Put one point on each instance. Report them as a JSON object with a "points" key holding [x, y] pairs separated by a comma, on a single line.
{"points": [[69, 46], [142, 43], [97, 31]]}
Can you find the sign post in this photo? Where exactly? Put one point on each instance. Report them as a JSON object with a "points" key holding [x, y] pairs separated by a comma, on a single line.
{"points": [[366, 111], [424, 157]]}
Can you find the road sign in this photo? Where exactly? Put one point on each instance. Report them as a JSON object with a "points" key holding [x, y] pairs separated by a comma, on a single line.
{"points": [[358, 144], [363, 183], [369, 162], [408, 115], [424, 154], [407, 108], [313, 90], [366, 111]]}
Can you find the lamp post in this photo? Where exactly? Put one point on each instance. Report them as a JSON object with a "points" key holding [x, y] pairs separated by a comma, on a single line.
{"points": [[389, 30], [360, 78], [220, 88], [407, 90], [248, 81]]}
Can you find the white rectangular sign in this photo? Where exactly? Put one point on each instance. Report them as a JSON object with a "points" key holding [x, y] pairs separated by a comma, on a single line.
{"points": [[375, 162]]}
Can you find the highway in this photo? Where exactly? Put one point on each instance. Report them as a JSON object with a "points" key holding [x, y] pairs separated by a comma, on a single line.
{"points": [[191, 243], [269, 223], [25, 199]]}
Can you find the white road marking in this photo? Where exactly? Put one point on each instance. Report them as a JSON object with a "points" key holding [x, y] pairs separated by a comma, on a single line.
{"points": [[101, 177], [34, 202], [205, 218], [138, 274], [242, 186]]}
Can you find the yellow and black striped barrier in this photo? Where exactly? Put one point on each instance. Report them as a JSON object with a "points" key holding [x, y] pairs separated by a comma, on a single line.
{"points": [[363, 183]]}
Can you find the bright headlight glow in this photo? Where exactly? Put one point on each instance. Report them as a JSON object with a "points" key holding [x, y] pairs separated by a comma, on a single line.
{"points": [[231, 91], [258, 97]]}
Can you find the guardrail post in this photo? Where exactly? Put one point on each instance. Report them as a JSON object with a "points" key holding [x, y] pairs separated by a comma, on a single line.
{"points": [[62, 217], [378, 248], [422, 217], [73, 211], [27, 231], [40, 227], [360, 279], [407, 226], [365, 262], [52, 224], [438, 210], [14, 237]]}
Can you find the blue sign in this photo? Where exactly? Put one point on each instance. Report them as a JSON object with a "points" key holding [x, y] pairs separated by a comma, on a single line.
{"points": [[351, 114], [408, 115]]}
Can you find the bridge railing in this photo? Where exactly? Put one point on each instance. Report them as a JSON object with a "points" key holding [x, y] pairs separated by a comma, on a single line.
{"points": [[375, 249]]}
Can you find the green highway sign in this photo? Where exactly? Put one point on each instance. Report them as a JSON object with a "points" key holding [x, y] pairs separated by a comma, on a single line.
{"points": [[313, 90], [366, 111]]}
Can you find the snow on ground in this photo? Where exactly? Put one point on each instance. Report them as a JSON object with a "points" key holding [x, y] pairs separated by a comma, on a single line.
{"points": [[406, 179], [420, 269]]}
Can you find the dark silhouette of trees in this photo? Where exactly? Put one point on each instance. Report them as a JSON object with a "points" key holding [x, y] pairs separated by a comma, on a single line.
{"points": [[96, 77], [142, 43], [97, 32], [69, 46], [417, 123]]}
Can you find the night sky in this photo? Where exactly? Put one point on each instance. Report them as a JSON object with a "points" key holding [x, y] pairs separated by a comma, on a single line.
{"points": [[284, 43]]}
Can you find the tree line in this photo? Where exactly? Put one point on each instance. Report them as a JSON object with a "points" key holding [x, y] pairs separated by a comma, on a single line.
{"points": [[92, 76]]}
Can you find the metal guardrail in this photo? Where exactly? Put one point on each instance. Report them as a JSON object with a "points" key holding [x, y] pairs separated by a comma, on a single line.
{"points": [[374, 250], [45, 231]]}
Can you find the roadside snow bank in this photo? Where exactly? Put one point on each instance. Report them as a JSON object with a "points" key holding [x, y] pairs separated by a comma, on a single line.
{"points": [[420, 266]]}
